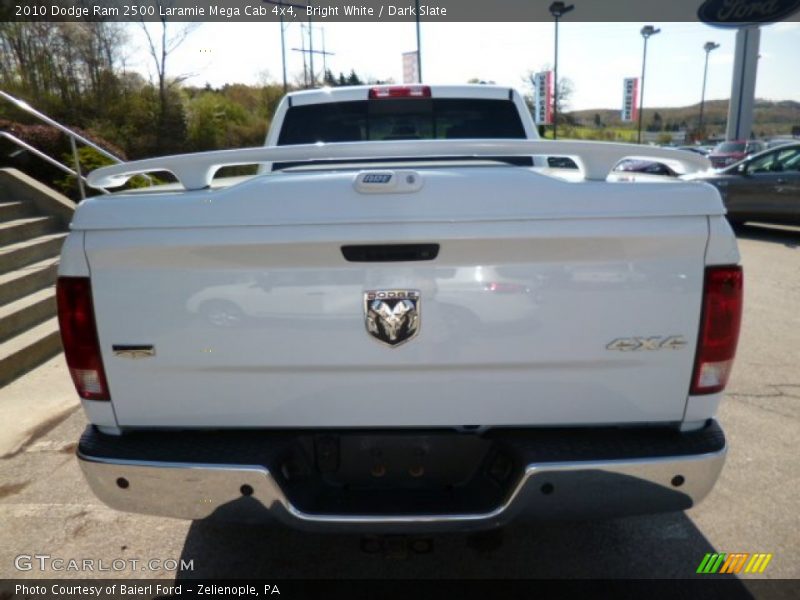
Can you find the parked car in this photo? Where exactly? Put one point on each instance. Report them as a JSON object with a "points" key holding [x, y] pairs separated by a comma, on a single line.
{"points": [[727, 153], [775, 142], [561, 162], [649, 167], [764, 187], [703, 150]]}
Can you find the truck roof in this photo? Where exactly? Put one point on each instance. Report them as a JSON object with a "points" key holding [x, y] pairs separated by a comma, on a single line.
{"points": [[361, 92]]}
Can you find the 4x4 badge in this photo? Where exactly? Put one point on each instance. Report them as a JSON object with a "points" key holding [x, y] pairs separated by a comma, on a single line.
{"points": [[653, 342], [392, 316]]}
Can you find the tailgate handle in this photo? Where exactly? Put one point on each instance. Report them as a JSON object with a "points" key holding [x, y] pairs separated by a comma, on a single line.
{"points": [[390, 252]]}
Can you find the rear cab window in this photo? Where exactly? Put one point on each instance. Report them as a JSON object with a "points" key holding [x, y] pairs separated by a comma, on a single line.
{"points": [[401, 119]]}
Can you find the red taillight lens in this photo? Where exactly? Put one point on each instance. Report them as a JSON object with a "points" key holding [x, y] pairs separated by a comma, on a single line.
{"points": [[399, 91], [719, 329], [79, 337]]}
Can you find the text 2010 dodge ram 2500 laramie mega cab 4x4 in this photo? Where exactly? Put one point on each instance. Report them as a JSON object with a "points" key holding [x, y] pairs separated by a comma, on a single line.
{"points": [[392, 333]]}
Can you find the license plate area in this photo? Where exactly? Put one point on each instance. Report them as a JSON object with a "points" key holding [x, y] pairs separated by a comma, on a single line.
{"points": [[397, 473]]}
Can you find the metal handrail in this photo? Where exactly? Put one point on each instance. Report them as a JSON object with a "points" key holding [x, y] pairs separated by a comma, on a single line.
{"points": [[73, 137], [45, 157], [22, 105]]}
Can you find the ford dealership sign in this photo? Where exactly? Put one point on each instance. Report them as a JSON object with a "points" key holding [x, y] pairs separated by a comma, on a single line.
{"points": [[737, 13]]}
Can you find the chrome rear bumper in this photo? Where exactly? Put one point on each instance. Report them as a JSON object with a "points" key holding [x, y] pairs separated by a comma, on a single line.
{"points": [[547, 489]]}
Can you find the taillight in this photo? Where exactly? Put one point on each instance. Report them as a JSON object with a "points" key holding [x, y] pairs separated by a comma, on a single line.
{"points": [[719, 329], [399, 91], [79, 337]]}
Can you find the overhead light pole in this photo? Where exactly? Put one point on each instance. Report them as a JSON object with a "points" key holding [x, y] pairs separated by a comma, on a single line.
{"points": [[311, 53], [419, 48], [283, 55], [558, 10], [647, 31], [709, 46]]}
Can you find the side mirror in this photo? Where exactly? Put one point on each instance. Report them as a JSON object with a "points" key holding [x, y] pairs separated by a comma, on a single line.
{"points": [[742, 168]]}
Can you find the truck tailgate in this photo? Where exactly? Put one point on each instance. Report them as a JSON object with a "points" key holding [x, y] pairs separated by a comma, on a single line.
{"points": [[561, 304]]}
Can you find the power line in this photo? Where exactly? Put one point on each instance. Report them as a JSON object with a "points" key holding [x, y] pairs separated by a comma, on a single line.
{"points": [[311, 52]]}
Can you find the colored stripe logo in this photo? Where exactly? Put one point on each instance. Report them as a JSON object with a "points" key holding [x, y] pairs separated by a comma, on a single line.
{"points": [[736, 562]]}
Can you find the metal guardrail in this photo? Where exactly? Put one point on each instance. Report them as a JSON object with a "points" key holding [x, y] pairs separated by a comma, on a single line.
{"points": [[74, 138]]}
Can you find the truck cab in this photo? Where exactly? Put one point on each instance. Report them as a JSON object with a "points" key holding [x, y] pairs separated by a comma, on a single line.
{"points": [[399, 112]]}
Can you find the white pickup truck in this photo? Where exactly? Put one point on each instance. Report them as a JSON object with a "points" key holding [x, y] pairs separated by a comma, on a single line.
{"points": [[407, 326]]}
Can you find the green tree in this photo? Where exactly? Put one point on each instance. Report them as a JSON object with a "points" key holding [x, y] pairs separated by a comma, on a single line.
{"points": [[657, 123], [161, 43], [353, 79], [64, 69], [214, 122]]}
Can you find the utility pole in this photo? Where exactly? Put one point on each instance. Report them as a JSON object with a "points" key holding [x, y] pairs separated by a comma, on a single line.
{"points": [[283, 55], [311, 52], [302, 49], [324, 57], [281, 4]]}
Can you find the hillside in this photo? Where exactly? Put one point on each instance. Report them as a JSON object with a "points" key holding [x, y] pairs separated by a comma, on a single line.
{"points": [[771, 118]]}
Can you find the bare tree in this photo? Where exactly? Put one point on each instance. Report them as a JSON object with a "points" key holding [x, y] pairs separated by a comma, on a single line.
{"points": [[61, 64], [160, 48]]}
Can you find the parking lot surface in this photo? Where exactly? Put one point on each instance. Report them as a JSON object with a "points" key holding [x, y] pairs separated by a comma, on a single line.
{"points": [[46, 507]]}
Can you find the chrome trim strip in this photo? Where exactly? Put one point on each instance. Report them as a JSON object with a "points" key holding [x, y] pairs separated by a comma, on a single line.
{"points": [[133, 351]]}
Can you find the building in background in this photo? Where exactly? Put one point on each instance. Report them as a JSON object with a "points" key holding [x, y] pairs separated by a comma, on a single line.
{"points": [[410, 70], [543, 97], [630, 95]]}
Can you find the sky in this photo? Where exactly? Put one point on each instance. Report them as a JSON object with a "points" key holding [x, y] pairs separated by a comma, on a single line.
{"points": [[594, 56]]}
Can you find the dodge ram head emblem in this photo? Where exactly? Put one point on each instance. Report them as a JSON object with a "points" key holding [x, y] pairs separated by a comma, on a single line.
{"points": [[392, 316]]}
